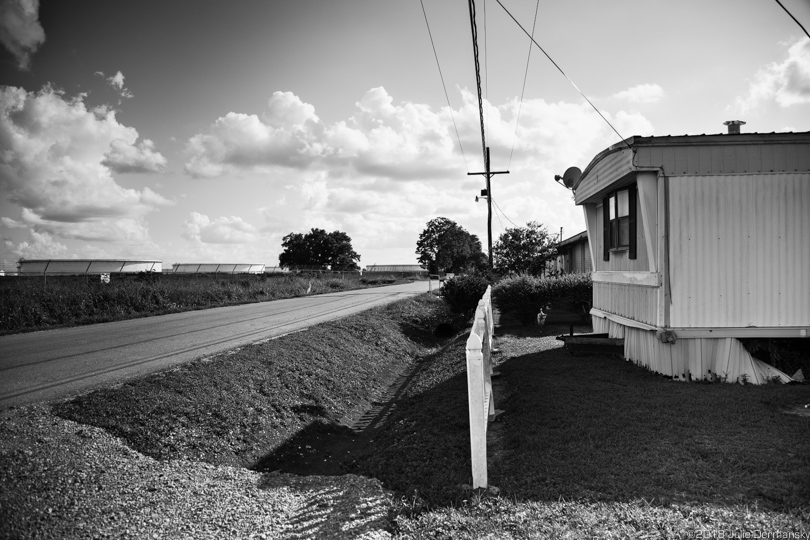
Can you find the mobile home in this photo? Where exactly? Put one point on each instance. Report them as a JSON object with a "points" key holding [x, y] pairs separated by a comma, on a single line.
{"points": [[697, 240]]}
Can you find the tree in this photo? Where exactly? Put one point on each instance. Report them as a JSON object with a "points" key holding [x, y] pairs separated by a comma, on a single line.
{"points": [[523, 250], [332, 251], [444, 246]]}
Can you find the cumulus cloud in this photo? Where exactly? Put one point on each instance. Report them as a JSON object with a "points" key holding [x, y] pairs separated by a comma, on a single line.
{"points": [[787, 82], [642, 93], [382, 139], [39, 245], [223, 230], [20, 31], [125, 157], [57, 164], [381, 174], [286, 135]]}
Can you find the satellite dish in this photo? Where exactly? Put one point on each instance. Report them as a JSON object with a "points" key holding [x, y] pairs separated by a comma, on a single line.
{"points": [[571, 176]]}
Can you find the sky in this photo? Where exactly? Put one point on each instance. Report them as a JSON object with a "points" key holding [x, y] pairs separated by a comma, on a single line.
{"points": [[206, 131]]}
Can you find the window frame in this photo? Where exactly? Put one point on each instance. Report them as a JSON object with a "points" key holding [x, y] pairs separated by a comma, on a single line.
{"points": [[612, 223]]}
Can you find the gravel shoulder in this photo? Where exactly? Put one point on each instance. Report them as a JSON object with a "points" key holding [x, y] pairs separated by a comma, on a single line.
{"points": [[60, 479]]}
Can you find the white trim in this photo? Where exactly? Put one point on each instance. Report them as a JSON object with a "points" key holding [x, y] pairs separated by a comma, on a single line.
{"points": [[622, 320], [712, 333], [647, 184], [750, 332], [640, 279]]}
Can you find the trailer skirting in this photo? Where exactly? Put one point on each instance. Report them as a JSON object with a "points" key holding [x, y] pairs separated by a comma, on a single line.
{"points": [[696, 359]]}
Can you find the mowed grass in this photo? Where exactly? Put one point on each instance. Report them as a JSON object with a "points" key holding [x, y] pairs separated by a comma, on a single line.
{"points": [[588, 446], [30, 303], [595, 446]]}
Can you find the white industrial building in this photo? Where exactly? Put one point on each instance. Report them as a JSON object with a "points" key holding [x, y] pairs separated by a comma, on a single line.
{"points": [[87, 266], [217, 268]]}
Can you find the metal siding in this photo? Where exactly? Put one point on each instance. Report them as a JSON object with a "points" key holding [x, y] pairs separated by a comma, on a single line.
{"points": [[791, 157], [610, 168], [692, 359], [740, 251], [632, 301], [681, 161], [804, 158], [766, 151]]}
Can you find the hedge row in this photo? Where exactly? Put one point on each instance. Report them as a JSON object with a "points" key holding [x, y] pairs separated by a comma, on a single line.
{"points": [[521, 297]]}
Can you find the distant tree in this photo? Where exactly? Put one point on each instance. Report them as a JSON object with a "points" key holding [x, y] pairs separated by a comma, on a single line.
{"points": [[523, 250], [329, 251], [444, 246]]}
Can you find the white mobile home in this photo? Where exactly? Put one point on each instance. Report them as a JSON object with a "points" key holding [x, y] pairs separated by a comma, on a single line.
{"points": [[696, 241]]}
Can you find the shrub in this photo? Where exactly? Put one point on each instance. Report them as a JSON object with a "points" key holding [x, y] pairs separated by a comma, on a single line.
{"points": [[524, 296], [462, 293]]}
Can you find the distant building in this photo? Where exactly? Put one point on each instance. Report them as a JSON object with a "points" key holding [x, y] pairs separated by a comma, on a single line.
{"points": [[573, 256], [217, 268], [696, 241], [409, 269], [87, 266]]}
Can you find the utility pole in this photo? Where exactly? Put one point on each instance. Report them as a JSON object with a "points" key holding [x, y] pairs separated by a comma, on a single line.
{"points": [[489, 174]]}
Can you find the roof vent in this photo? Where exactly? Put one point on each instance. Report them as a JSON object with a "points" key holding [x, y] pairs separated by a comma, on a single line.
{"points": [[733, 126]]}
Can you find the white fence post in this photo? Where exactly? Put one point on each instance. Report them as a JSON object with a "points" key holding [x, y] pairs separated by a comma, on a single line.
{"points": [[479, 387]]}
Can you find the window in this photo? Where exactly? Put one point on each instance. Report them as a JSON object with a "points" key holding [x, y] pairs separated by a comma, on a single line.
{"points": [[619, 212], [619, 219]]}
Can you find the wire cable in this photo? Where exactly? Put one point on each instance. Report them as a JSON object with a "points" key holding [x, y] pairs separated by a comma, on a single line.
{"points": [[471, 4], [564, 75], [486, 63], [502, 212], [523, 90], [452, 116], [500, 222], [792, 17]]}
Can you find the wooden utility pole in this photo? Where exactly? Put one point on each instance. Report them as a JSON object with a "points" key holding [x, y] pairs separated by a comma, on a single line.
{"points": [[489, 175]]}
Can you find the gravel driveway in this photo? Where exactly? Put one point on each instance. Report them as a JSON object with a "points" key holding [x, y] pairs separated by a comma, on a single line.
{"points": [[60, 479]]}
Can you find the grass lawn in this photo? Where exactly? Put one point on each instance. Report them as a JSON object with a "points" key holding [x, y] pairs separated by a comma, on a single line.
{"points": [[588, 446], [596, 446]]}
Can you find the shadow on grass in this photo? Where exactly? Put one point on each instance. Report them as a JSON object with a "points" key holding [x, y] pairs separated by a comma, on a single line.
{"points": [[596, 428]]}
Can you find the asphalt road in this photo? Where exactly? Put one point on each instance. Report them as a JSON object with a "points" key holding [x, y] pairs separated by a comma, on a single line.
{"points": [[47, 365]]}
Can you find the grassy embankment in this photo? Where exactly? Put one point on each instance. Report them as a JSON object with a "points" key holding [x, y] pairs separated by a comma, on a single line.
{"points": [[35, 303], [588, 446]]}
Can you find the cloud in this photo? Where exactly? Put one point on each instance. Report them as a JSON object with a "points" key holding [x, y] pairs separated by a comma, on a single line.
{"points": [[381, 174], [223, 230], [124, 157], [39, 246], [117, 82], [57, 164], [787, 82], [642, 93], [286, 135], [382, 139], [20, 30]]}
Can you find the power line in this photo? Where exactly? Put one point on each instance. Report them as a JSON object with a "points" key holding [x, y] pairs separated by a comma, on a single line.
{"points": [[471, 4], [564, 75], [792, 17], [486, 61], [500, 222], [523, 90], [452, 116], [502, 212]]}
